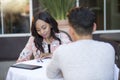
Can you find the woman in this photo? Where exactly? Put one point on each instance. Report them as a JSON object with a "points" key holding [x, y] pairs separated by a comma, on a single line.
{"points": [[45, 38]]}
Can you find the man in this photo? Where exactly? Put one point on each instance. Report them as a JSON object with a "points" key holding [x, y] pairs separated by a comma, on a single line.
{"points": [[85, 58]]}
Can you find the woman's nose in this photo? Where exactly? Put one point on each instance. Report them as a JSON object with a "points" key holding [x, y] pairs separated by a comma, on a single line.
{"points": [[42, 31]]}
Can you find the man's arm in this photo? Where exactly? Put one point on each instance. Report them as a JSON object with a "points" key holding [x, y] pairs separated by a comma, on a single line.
{"points": [[53, 70]]}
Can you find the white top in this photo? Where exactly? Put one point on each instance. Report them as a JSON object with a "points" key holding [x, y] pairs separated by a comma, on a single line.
{"points": [[30, 48], [83, 60]]}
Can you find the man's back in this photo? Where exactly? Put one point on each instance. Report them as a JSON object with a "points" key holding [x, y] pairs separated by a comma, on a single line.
{"points": [[86, 60]]}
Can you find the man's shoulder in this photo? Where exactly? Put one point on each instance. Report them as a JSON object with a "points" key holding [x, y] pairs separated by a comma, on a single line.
{"points": [[105, 45]]}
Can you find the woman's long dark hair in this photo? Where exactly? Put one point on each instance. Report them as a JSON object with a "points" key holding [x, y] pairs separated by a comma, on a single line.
{"points": [[45, 16]]}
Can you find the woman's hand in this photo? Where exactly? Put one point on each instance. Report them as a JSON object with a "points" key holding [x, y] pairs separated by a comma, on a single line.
{"points": [[45, 55], [21, 60]]}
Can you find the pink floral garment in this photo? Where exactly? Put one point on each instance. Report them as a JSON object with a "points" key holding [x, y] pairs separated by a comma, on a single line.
{"points": [[30, 48]]}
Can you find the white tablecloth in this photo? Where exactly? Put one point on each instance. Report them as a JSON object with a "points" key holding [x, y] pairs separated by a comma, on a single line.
{"points": [[24, 74], [37, 74], [116, 73]]}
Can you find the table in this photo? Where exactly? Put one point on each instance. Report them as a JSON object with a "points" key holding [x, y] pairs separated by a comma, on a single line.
{"points": [[24, 74], [37, 74]]}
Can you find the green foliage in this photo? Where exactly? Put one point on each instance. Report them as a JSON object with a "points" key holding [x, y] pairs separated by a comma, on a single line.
{"points": [[57, 8]]}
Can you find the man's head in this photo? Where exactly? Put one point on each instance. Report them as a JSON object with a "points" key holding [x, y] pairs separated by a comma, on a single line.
{"points": [[82, 21]]}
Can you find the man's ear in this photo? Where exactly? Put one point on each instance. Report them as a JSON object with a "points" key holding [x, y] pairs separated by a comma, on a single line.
{"points": [[94, 27], [72, 33]]}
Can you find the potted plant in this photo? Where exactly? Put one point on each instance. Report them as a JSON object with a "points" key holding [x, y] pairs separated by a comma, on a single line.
{"points": [[58, 9]]}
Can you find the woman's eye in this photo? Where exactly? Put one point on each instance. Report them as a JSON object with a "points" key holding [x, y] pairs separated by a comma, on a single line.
{"points": [[37, 30], [44, 27]]}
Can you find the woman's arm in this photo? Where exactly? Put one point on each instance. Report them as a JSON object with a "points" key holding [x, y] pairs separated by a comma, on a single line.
{"points": [[27, 51]]}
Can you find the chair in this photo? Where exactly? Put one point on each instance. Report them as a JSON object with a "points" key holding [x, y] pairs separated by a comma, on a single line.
{"points": [[66, 34]]}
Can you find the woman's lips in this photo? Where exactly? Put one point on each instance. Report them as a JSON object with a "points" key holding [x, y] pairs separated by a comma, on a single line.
{"points": [[44, 35]]}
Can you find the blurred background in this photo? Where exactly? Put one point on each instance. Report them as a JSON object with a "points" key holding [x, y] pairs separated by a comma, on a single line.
{"points": [[16, 18], [16, 15]]}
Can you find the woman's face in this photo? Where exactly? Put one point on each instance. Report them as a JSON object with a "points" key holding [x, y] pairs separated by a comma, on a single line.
{"points": [[43, 28]]}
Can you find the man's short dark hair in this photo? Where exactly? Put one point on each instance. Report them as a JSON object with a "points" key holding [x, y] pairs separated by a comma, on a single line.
{"points": [[82, 20]]}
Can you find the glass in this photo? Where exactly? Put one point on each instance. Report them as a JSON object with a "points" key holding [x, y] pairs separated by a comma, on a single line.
{"points": [[118, 6], [16, 23], [0, 24], [16, 16], [19, 22], [97, 7], [113, 14]]}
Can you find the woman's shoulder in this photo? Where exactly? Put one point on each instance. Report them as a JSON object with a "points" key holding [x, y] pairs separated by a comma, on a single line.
{"points": [[31, 38], [63, 34]]}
